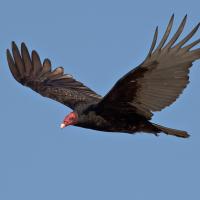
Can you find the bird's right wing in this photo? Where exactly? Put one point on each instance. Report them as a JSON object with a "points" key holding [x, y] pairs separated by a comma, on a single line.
{"points": [[29, 71], [159, 80]]}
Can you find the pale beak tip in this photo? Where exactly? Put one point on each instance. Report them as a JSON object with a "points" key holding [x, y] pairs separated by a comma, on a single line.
{"points": [[62, 125]]}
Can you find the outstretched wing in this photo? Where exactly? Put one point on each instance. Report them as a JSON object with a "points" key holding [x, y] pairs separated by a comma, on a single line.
{"points": [[29, 71], [159, 80]]}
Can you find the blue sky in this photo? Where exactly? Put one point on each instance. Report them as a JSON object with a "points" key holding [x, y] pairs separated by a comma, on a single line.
{"points": [[97, 42]]}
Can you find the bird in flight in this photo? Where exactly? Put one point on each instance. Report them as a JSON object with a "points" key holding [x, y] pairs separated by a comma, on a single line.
{"points": [[155, 84]]}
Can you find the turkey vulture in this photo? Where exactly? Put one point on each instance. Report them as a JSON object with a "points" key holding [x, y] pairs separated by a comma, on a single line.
{"points": [[156, 83]]}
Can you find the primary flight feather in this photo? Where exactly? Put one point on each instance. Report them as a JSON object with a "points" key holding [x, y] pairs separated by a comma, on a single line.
{"points": [[156, 83]]}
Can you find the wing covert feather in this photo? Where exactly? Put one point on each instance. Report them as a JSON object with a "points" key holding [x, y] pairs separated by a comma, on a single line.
{"points": [[29, 71], [160, 79]]}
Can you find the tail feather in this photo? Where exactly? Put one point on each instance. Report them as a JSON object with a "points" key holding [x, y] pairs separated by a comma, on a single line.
{"points": [[170, 131]]}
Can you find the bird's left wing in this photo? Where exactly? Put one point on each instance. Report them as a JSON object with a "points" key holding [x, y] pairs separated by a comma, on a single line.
{"points": [[159, 80], [29, 71]]}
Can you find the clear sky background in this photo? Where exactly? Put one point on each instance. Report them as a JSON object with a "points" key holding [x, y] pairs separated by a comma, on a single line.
{"points": [[97, 42]]}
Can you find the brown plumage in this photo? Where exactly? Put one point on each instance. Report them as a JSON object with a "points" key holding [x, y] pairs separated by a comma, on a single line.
{"points": [[156, 83]]}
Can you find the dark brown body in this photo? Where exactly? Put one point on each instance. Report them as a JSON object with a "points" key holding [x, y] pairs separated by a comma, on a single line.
{"points": [[89, 117], [117, 123]]}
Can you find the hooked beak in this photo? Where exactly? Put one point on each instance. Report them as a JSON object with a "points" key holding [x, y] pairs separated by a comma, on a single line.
{"points": [[62, 125]]}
